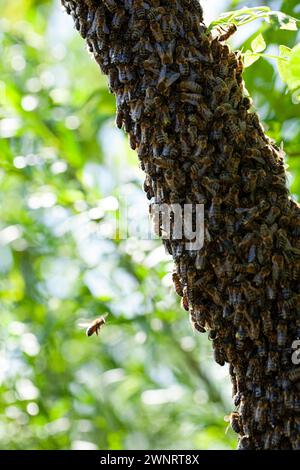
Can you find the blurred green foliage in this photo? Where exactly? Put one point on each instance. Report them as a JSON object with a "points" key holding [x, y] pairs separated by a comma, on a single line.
{"points": [[148, 381]]}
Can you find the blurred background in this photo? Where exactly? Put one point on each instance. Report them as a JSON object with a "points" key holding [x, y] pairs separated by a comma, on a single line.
{"points": [[148, 381]]}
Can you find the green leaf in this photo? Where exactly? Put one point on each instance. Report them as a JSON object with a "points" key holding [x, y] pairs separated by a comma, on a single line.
{"points": [[249, 58], [284, 21], [290, 70], [248, 15], [284, 53], [294, 68], [258, 44]]}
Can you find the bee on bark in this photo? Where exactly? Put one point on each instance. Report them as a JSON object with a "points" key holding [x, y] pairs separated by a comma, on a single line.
{"points": [[267, 323], [281, 334], [166, 79], [277, 267], [111, 5], [165, 52], [276, 438], [245, 443], [157, 32], [211, 185], [273, 214], [234, 420], [138, 8], [294, 375], [185, 300], [191, 86], [177, 284], [260, 414], [196, 5], [118, 18]]}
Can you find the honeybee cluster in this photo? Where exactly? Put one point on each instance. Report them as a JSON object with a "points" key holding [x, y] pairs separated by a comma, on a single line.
{"points": [[181, 99]]}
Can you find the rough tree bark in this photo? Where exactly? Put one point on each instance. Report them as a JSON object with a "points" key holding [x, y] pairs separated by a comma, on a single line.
{"points": [[181, 98]]}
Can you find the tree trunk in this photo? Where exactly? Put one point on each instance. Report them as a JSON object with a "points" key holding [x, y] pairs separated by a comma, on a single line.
{"points": [[180, 96]]}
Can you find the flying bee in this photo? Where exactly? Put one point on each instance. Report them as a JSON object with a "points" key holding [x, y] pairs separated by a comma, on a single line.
{"points": [[94, 326]]}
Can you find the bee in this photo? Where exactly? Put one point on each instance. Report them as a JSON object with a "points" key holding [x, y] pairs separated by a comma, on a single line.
{"points": [[250, 181], [234, 420], [227, 33], [294, 375], [214, 294], [198, 327], [156, 31], [240, 336], [232, 198], [137, 110], [95, 326], [166, 52], [260, 414], [272, 362], [138, 7], [283, 242], [245, 443], [211, 185], [273, 214], [177, 284], [215, 212], [111, 5], [196, 5], [233, 126], [219, 356], [292, 303], [161, 137], [230, 224], [118, 18], [281, 334], [267, 322], [190, 86], [166, 79], [185, 300], [276, 438], [277, 267]]}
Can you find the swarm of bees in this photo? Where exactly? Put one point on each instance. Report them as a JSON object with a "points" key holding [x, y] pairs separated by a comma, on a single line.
{"points": [[180, 97]]}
